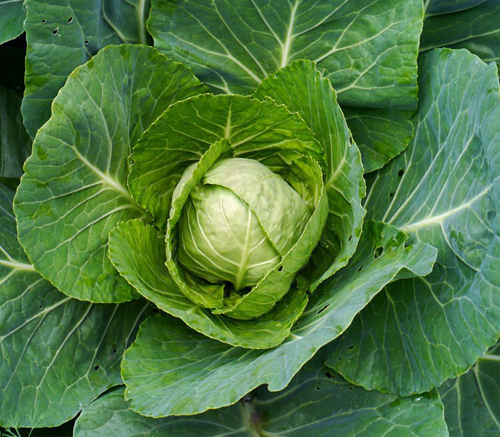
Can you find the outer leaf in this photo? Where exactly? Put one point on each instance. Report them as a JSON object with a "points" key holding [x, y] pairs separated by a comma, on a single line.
{"points": [[380, 134], [15, 145], [74, 189], [474, 29], [471, 400], [444, 190], [12, 16], [64, 35], [138, 252], [367, 49], [179, 137], [315, 404], [56, 354], [171, 369]]}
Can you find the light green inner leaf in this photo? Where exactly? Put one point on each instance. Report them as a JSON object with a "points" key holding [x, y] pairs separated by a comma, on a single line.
{"points": [[184, 132], [302, 89]]}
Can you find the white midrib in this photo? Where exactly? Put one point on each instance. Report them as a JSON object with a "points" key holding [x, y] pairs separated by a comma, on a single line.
{"points": [[488, 357], [337, 171], [289, 36], [15, 265], [105, 178], [438, 219], [227, 132]]}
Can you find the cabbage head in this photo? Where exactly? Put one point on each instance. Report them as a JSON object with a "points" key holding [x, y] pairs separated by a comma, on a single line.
{"points": [[238, 223]]}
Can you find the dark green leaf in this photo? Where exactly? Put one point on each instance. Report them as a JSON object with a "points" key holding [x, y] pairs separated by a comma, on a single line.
{"points": [[449, 6], [64, 35], [471, 400], [380, 134], [476, 29], [443, 190], [15, 145], [369, 50], [317, 403], [56, 353], [12, 16]]}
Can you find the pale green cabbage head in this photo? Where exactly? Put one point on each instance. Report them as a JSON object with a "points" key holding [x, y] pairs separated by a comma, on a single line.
{"points": [[239, 222]]}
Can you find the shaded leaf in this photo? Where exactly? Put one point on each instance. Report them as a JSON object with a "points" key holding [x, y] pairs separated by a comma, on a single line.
{"points": [[64, 35], [471, 400], [12, 62], [15, 145], [65, 430], [379, 134], [475, 29], [449, 6]]}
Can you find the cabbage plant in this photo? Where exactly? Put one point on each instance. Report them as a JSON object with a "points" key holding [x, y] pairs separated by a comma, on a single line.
{"points": [[232, 217], [236, 186]]}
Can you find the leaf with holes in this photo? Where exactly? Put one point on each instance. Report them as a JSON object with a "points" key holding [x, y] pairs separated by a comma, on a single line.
{"points": [[322, 404], [172, 370], [302, 89], [64, 35]]}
